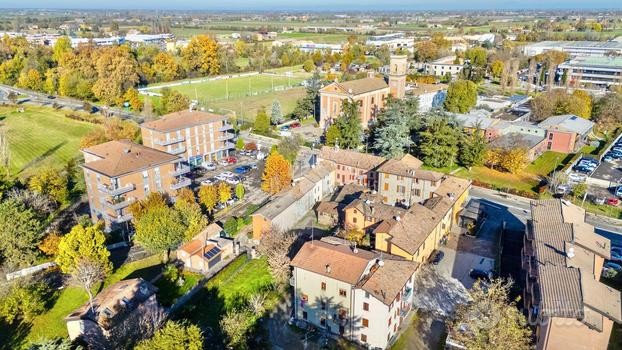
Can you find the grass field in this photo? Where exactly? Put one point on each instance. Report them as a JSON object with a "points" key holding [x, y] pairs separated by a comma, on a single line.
{"points": [[41, 137]]}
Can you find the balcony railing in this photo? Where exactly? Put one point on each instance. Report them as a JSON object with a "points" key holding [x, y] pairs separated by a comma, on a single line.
{"points": [[181, 182], [115, 191], [181, 170], [226, 127], [178, 150], [119, 218], [169, 141], [118, 204], [228, 145], [226, 136]]}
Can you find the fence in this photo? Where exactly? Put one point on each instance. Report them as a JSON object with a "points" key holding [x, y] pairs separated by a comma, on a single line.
{"points": [[29, 270]]}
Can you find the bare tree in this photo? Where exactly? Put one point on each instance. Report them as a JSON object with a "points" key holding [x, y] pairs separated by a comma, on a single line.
{"points": [[256, 302], [276, 246], [86, 274], [532, 71]]}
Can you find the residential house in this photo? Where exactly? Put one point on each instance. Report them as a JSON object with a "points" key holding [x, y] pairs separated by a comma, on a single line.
{"points": [[562, 260], [352, 166], [370, 93], [442, 66], [429, 95], [118, 173], [113, 305], [206, 249], [403, 182], [354, 293], [535, 145], [193, 135], [566, 133], [293, 203]]}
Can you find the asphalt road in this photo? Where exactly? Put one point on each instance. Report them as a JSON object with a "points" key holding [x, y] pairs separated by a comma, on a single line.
{"points": [[520, 205]]}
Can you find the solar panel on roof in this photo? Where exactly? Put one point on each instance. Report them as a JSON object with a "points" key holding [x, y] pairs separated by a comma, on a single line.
{"points": [[212, 252]]}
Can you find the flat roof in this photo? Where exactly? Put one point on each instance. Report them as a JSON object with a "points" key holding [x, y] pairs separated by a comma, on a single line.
{"points": [[579, 44], [604, 62]]}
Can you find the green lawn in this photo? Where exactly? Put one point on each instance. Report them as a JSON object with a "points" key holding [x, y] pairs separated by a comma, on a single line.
{"points": [[500, 180], [41, 137], [169, 292], [147, 268], [547, 162], [228, 290]]}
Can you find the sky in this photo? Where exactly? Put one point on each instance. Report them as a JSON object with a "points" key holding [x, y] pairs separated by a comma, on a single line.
{"points": [[317, 5]]}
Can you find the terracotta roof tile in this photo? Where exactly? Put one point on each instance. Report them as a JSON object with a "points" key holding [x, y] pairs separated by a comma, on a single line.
{"points": [[386, 282], [125, 157], [360, 86], [350, 158], [182, 119]]}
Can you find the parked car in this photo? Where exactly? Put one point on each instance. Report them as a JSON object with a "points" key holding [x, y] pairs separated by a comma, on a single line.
{"points": [[232, 160], [223, 162], [51, 97], [599, 200], [436, 257], [478, 274], [612, 266], [284, 128], [208, 166], [253, 166], [294, 125], [242, 169], [208, 182], [616, 256], [562, 189], [583, 170], [608, 158], [234, 180], [228, 174], [613, 201], [221, 177], [619, 191], [576, 177]]}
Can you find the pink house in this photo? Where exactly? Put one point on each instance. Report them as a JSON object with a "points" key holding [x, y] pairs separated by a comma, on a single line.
{"points": [[566, 133]]}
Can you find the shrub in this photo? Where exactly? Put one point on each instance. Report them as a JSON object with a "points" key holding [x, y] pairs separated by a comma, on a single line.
{"points": [[231, 226], [170, 272]]}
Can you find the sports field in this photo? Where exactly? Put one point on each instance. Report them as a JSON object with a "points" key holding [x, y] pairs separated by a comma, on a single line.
{"points": [[40, 137]]}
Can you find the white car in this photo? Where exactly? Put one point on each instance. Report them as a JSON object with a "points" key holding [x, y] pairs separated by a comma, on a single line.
{"points": [[234, 180], [227, 174], [223, 162], [208, 166], [562, 189], [577, 177], [207, 182], [221, 177]]}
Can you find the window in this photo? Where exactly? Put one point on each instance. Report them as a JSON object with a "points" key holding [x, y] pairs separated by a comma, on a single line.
{"points": [[372, 100], [322, 322], [365, 322], [342, 292], [549, 145], [363, 338], [417, 192], [354, 220], [365, 306], [386, 187], [304, 315], [389, 321], [394, 327], [323, 305], [366, 295], [323, 285], [401, 189], [386, 175], [550, 136]]}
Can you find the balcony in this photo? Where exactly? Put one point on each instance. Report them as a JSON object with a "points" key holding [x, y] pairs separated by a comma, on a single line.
{"points": [[118, 203], [181, 182], [226, 127], [115, 191], [228, 145], [406, 294], [180, 170], [169, 141], [119, 218], [226, 136], [178, 150]]}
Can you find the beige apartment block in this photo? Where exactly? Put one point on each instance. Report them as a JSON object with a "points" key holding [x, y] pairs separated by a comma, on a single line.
{"points": [[193, 135], [402, 182], [117, 173]]}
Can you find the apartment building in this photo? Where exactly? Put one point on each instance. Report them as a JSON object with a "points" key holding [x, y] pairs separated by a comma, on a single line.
{"points": [[354, 293], [411, 233], [352, 167], [566, 133], [402, 182], [430, 95], [593, 72], [370, 93], [195, 136], [118, 173], [562, 260]]}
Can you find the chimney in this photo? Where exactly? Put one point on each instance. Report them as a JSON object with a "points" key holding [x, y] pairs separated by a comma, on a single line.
{"points": [[398, 218], [570, 252], [126, 150], [327, 268], [349, 91], [380, 262]]}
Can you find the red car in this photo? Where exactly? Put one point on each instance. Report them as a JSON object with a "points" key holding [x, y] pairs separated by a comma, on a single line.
{"points": [[613, 201], [294, 125], [232, 160]]}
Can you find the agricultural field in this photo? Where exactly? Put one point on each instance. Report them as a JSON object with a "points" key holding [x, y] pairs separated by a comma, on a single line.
{"points": [[40, 137]]}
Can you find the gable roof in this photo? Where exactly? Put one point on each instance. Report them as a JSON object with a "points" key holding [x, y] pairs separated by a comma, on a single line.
{"points": [[386, 282], [567, 123], [182, 119], [358, 86], [333, 260], [409, 166], [124, 157], [516, 139], [350, 158]]}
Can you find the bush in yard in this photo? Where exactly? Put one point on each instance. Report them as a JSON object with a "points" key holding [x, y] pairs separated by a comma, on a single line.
{"points": [[231, 226], [170, 272], [23, 300]]}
